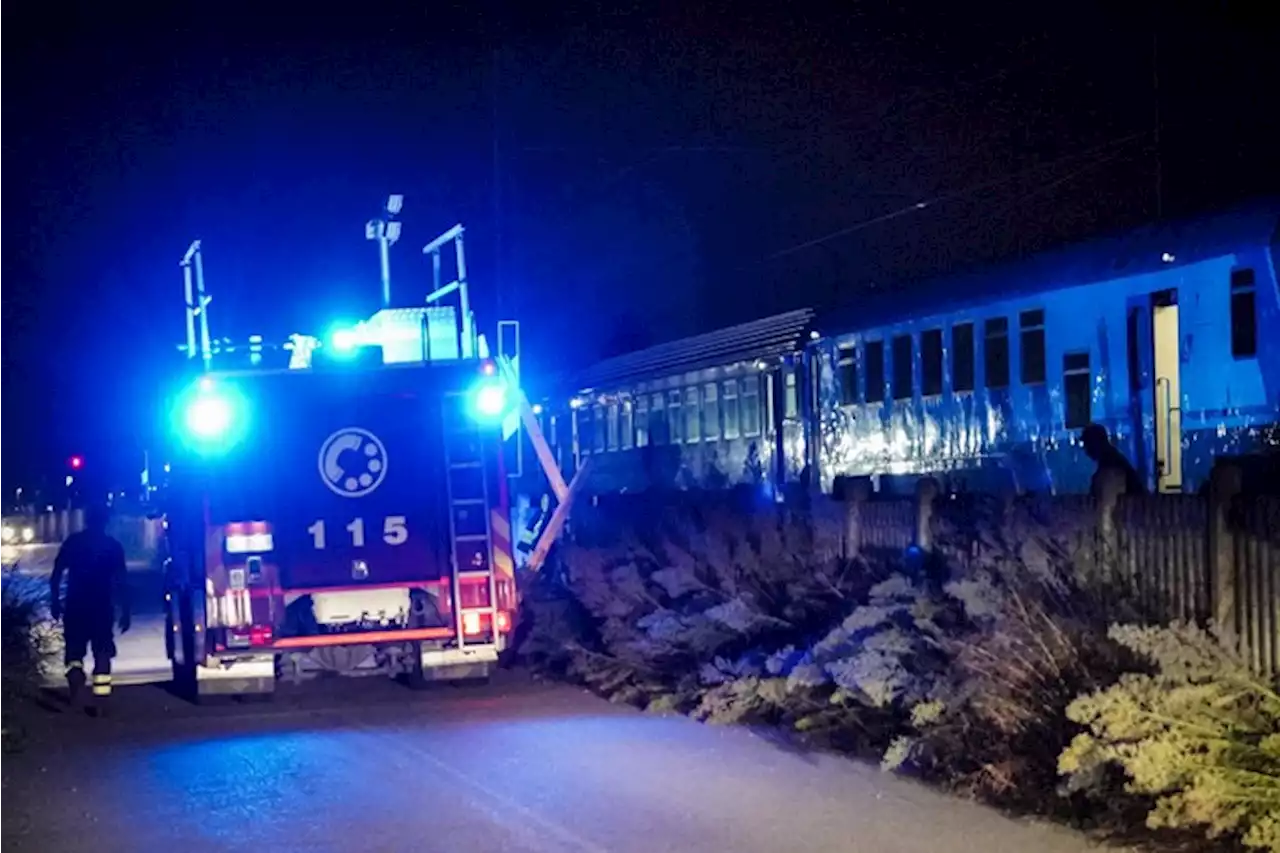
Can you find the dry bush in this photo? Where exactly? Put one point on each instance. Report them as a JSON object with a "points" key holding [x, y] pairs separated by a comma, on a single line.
{"points": [[684, 591], [1033, 637], [1201, 734], [27, 639], [996, 726]]}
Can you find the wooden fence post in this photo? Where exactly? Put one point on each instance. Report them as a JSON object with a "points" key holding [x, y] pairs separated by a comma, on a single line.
{"points": [[927, 491], [857, 492], [1111, 485], [1225, 482]]}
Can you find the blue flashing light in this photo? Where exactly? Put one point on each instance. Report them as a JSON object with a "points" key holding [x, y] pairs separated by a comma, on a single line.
{"points": [[345, 340], [210, 417], [490, 398]]}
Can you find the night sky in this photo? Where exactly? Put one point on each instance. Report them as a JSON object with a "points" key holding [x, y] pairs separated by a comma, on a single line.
{"points": [[661, 169]]}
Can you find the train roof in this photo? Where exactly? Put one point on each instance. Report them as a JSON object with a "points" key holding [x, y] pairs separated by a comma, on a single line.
{"points": [[1121, 255], [766, 338]]}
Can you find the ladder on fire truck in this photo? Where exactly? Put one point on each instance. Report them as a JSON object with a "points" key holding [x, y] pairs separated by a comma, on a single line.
{"points": [[470, 531]]}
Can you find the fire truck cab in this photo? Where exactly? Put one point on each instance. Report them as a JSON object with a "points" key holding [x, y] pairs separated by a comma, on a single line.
{"points": [[343, 514]]}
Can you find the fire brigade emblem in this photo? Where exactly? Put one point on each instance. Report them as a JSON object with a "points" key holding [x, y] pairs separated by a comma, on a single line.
{"points": [[353, 462]]}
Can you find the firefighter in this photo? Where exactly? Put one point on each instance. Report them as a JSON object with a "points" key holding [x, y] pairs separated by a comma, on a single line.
{"points": [[537, 520], [1098, 447], [94, 565]]}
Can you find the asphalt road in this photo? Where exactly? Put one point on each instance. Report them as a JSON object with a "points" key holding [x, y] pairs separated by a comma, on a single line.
{"points": [[366, 765]]}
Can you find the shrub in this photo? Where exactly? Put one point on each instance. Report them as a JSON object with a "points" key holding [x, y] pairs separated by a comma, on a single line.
{"points": [[886, 652], [1201, 735], [688, 592], [26, 639], [1029, 636], [994, 729]]}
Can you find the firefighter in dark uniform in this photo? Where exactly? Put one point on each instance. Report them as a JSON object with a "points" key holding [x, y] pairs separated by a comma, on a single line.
{"points": [[1098, 447], [94, 565]]}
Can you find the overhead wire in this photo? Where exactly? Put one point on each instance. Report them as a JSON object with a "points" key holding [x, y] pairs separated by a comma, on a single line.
{"points": [[955, 194]]}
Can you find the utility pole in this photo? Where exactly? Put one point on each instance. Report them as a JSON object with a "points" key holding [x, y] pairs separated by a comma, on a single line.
{"points": [[197, 300], [498, 279]]}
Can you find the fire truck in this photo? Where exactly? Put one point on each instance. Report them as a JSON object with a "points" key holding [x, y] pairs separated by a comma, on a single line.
{"points": [[340, 505]]}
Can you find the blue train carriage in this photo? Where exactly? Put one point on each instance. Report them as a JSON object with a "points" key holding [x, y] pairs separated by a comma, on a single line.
{"points": [[711, 411], [985, 380]]}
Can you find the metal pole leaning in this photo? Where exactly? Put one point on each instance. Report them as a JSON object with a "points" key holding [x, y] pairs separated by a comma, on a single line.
{"points": [[551, 532], [539, 441]]}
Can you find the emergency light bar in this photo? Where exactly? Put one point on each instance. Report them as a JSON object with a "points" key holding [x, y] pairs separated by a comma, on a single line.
{"points": [[210, 416], [489, 399]]}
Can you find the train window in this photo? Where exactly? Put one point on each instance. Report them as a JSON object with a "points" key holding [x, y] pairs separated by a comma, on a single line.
{"points": [[625, 435], [1033, 357], [598, 430], [675, 426], [749, 403], [962, 356], [729, 408], [791, 400], [659, 432], [903, 368], [642, 421], [692, 415], [875, 371], [931, 362], [1077, 389], [1244, 314], [586, 428], [996, 363], [711, 412], [611, 429], [847, 373]]}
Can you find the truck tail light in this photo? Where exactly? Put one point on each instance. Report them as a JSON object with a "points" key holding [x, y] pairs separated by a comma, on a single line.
{"points": [[503, 621], [252, 636], [249, 537], [471, 622]]}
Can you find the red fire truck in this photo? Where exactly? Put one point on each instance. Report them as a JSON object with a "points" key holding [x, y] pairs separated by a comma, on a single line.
{"points": [[346, 514]]}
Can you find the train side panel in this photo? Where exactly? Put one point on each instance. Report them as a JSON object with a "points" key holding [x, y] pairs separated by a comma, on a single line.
{"points": [[993, 396]]}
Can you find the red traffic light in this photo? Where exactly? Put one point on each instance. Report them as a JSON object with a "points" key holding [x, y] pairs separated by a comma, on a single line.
{"points": [[76, 462]]}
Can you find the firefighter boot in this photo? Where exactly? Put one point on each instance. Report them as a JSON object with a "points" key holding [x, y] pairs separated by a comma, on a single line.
{"points": [[101, 695], [75, 684]]}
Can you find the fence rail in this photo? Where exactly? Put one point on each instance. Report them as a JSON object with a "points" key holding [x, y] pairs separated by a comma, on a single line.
{"points": [[1206, 558]]}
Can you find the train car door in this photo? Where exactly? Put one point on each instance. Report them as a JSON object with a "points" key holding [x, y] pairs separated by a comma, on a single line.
{"points": [[1166, 343], [1141, 397], [1155, 372]]}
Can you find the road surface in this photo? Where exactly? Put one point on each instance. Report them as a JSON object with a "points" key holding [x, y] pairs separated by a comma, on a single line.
{"points": [[366, 765]]}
